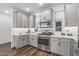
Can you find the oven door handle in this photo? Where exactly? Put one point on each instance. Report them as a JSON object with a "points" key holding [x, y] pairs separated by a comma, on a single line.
{"points": [[44, 38]]}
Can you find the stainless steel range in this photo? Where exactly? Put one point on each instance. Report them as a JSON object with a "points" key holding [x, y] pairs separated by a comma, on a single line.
{"points": [[44, 41]]}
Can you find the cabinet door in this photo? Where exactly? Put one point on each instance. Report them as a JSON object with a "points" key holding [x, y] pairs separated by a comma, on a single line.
{"points": [[18, 20], [25, 40], [30, 40], [72, 17], [65, 47], [17, 42], [37, 22], [21, 43], [14, 17], [32, 21], [35, 41], [14, 41], [55, 45], [58, 16], [24, 21]]}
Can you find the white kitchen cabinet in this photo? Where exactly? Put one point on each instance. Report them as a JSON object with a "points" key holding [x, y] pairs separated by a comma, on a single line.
{"points": [[37, 22], [30, 39], [33, 40], [16, 41], [21, 20], [62, 46], [20, 41], [14, 16], [72, 15], [65, 47], [24, 21], [32, 21], [18, 20], [25, 40], [54, 45], [58, 16]]}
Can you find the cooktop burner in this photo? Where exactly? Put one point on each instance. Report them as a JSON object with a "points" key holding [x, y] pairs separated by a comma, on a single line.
{"points": [[46, 33]]}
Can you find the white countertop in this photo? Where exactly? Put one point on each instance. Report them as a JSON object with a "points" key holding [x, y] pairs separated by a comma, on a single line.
{"points": [[61, 36], [58, 36], [26, 34]]}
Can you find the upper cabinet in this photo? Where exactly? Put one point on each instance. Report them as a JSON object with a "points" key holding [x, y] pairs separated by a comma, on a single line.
{"points": [[24, 21], [32, 21], [46, 18], [19, 19], [58, 18], [72, 15]]}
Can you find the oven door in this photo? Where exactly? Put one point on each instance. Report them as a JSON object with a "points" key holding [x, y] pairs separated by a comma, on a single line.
{"points": [[43, 41]]}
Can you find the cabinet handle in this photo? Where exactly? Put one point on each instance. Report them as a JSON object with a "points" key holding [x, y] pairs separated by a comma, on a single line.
{"points": [[32, 38], [59, 44]]}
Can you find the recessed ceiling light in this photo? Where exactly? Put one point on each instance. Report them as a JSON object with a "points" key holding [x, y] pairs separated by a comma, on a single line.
{"points": [[40, 3], [27, 9], [6, 11]]}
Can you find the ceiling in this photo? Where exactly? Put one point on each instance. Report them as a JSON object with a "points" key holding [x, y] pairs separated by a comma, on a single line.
{"points": [[34, 7]]}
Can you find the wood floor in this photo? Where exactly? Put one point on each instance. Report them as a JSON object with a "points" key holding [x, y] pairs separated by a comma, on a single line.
{"points": [[25, 51], [4, 47]]}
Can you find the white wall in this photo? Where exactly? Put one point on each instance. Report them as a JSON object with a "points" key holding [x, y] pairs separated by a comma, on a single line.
{"points": [[5, 26]]}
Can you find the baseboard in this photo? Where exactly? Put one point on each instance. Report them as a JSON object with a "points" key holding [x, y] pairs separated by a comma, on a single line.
{"points": [[5, 42]]}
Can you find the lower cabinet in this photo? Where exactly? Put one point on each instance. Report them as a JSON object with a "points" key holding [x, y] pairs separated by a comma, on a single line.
{"points": [[25, 40], [33, 40], [62, 46], [54, 45], [20, 41], [65, 47]]}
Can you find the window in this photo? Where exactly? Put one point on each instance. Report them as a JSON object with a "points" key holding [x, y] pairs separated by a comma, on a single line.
{"points": [[58, 26]]}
